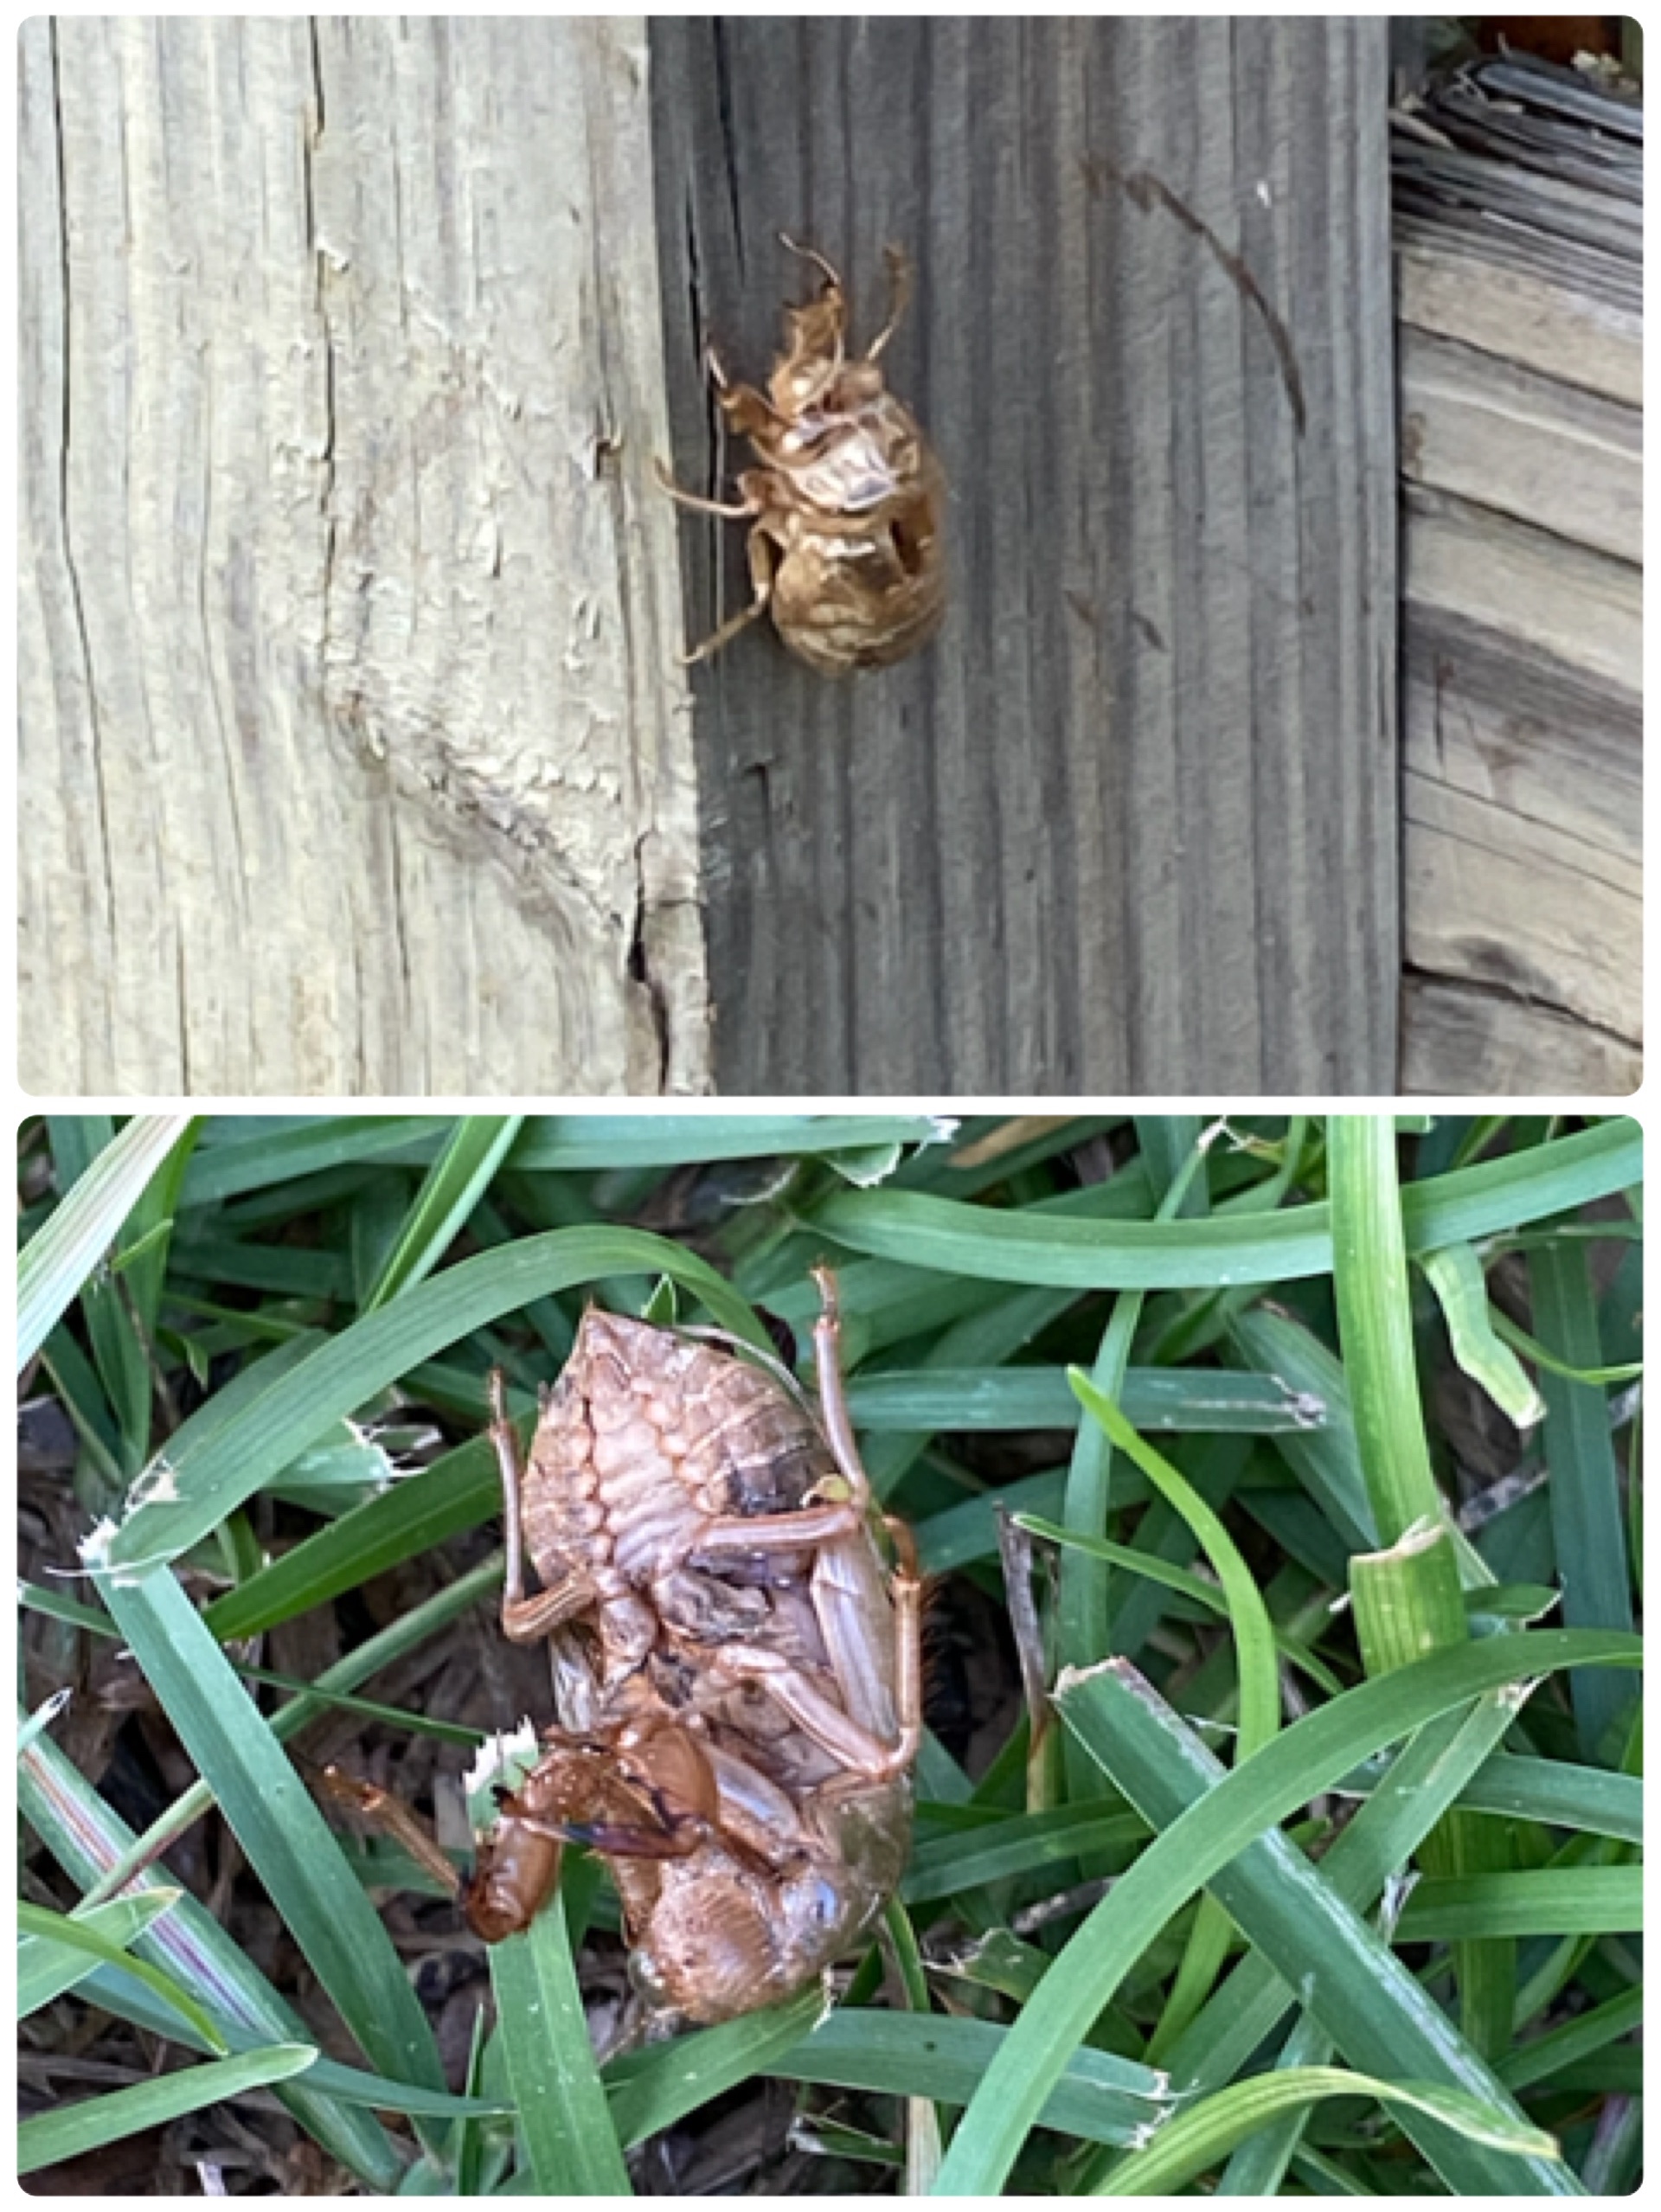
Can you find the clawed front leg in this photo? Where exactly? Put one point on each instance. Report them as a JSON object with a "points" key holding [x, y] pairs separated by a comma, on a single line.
{"points": [[378, 1808]]}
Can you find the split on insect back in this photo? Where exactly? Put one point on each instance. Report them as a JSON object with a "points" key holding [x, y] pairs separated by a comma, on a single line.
{"points": [[846, 501]]}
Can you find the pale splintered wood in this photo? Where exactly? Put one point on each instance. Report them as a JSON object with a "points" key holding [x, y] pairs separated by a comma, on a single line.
{"points": [[1521, 354], [1539, 317], [1131, 824], [1569, 462], [355, 756]]}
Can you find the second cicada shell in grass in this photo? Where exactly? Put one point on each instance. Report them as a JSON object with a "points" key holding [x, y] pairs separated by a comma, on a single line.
{"points": [[736, 1670], [846, 501]]}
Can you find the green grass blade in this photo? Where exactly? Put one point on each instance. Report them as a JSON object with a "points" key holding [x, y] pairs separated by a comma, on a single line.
{"points": [[113, 1328], [567, 1141], [341, 2084], [1096, 2096], [50, 2138], [1576, 2040], [58, 1259], [87, 1838], [1204, 2136], [46, 1967], [1543, 1900], [34, 1920], [1042, 1246], [1325, 1456], [649, 2090], [1192, 1586], [1347, 1979], [1454, 1272], [1560, 1795], [1258, 2164], [452, 1187], [1584, 1493], [244, 1153], [1031, 1842], [1425, 1778], [1408, 1594], [570, 2143], [457, 1492], [288, 1842], [1175, 1156], [1260, 1695], [1037, 1245], [1258, 1679], [1301, 1762], [1181, 1400], [1369, 1282]]}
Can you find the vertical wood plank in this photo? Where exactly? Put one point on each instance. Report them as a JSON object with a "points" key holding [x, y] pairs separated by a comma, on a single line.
{"points": [[355, 756], [1131, 824]]}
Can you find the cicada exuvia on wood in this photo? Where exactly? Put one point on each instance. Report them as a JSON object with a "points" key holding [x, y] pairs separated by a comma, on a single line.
{"points": [[846, 504]]}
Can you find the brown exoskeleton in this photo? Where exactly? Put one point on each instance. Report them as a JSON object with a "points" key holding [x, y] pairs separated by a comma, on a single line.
{"points": [[738, 1675], [847, 546]]}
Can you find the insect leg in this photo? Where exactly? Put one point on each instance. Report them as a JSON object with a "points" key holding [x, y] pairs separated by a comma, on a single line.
{"points": [[906, 1587], [525, 1619], [734, 510], [899, 268], [505, 1438], [854, 1746], [905, 1584], [619, 1839], [760, 555], [378, 1808], [800, 1530], [833, 1404]]}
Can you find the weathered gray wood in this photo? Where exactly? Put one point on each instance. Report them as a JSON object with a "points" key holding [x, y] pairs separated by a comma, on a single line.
{"points": [[1519, 311], [1522, 450], [355, 756], [1498, 897], [1505, 1048], [1564, 460], [1131, 824]]}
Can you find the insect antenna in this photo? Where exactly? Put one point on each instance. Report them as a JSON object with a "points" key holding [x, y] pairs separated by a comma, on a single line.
{"points": [[808, 253], [832, 369]]}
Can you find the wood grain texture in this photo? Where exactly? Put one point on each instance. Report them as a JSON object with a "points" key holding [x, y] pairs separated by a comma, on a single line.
{"points": [[1505, 1048], [355, 757], [1131, 824], [1522, 438], [1496, 897]]}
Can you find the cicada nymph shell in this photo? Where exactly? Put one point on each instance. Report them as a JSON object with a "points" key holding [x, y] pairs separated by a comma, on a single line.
{"points": [[847, 501], [737, 1669]]}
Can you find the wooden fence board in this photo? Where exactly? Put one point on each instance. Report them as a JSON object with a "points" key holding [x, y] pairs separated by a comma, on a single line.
{"points": [[1505, 1048], [1131, 824], [1522, 341], [1494, 897], [355, 756]]}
